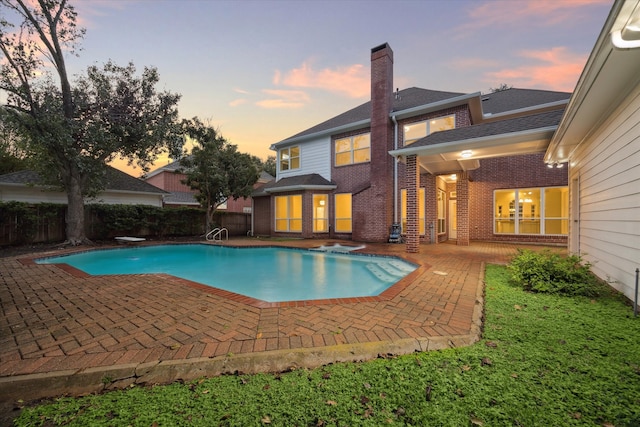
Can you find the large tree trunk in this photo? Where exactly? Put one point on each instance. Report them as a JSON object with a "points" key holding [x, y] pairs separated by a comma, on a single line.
{"points": [[75, 213]]}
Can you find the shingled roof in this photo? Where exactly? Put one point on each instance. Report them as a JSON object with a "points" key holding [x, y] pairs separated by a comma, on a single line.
{"points": [[414, 97], [502, 127], [115, 180], [308, 181]]}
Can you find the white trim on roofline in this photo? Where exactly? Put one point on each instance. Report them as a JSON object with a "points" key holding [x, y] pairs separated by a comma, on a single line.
{"points": [[338, 129], [300, 187], [475, 143], [434, 106], [525, 110]]}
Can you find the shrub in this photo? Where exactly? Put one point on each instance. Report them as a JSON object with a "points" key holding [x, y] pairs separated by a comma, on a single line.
{"points": [[549, 272]]}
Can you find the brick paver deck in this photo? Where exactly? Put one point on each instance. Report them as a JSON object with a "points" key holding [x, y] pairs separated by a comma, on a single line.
{"points": [[62, 332]]}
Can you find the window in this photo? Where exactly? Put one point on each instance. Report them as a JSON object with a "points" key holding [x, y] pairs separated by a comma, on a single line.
{"points": [[289, 158], [538, 211], [421, 214], [343, 213], [353, 149], [320, 210], [289, 213], [441, 212], [415, 131]]}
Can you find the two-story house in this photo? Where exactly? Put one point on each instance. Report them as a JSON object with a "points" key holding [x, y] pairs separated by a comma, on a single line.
{"points": [[171, 178], [439, 165]]}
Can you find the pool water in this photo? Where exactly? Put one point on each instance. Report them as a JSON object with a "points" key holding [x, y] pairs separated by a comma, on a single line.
{"points": [[267, 273]]}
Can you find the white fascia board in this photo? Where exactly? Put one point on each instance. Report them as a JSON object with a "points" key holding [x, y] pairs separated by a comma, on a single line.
{"points": [[434, 106], [526, 110], [475, 143], [327, 132], [300, 187]]}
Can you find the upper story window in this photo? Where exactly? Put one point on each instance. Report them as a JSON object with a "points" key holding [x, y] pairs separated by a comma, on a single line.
{"points": [[353, 149], [289, 158], [415, 131]]}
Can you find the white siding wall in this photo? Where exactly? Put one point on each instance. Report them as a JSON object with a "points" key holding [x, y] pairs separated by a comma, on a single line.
{"points": [[315, 157], [36, 195], [607, 169]]}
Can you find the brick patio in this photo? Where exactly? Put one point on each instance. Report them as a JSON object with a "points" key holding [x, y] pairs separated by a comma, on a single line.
{"points": [[63, 332]]}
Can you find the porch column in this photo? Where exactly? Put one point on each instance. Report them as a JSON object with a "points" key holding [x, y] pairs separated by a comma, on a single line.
{"points": [[462, 216], [413, 179]]}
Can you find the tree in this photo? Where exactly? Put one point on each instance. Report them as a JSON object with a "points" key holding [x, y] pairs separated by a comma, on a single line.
{"points": [[503, 86], [215, 168], [75, 130], [12, 157], [269, 165]]}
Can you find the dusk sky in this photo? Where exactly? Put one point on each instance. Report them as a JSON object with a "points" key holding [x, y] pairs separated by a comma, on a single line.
{"points": [[261, 71]]}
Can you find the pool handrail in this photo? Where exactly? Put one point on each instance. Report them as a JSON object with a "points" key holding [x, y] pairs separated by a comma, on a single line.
{"points": [[216, 234]]}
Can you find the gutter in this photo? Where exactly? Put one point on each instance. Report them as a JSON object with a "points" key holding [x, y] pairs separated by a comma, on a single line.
{"points": [[395, 170]]}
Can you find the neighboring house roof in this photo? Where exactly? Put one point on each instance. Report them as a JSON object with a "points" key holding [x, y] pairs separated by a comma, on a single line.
{"points": [[115, 180], [414, 101], [170, 167], [181, 198], [311, 181]]}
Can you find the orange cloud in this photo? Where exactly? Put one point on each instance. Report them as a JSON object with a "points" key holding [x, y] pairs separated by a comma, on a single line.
{"points": [[553, 69], [237, 102], [284, 99], [352, 81], [542, 12]]}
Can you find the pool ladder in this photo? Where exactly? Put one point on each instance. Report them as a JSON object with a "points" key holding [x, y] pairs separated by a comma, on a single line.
{"points": [[217, 234]]}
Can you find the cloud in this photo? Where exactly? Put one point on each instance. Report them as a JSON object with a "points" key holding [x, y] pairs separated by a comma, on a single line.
{"points": [[531, 12], [237, 102], [288, 99], [352, 80], [553, 69]]}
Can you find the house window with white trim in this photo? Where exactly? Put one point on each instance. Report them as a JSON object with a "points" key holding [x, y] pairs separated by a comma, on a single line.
{"points": [[289, 213], [421, 211], [289, 158], [415, 131], [343, 213], [353, 149], [537, 211]]}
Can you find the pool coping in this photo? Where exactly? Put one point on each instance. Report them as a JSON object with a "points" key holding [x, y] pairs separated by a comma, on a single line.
{"points": [[88, 378]]}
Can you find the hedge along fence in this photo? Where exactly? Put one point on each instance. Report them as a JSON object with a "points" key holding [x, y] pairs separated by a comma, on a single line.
{"points": [[22, 223]]}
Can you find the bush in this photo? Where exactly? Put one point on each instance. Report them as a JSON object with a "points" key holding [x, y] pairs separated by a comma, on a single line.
{"points": [[549, 272]]}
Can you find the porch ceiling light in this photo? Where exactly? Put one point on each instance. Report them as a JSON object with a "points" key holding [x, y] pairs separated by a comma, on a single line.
{"points": [[466, 154]]}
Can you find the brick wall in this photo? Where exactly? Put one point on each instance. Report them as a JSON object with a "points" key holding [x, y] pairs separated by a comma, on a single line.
{"points": [[506, 173], [374, 214], [263, 217]]}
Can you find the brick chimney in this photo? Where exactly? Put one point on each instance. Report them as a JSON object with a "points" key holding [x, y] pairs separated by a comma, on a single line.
{"points": [[376, 224]]}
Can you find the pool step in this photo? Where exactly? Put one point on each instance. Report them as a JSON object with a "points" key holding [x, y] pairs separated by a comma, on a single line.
{"points": [[402, 266], [390, 271]]}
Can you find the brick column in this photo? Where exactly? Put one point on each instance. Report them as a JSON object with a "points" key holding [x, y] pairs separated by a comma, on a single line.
{"points": [[413, 180], [462, 190]]}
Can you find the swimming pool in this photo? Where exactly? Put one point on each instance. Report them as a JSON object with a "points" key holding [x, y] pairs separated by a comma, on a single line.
{"points": [[266, 273]]}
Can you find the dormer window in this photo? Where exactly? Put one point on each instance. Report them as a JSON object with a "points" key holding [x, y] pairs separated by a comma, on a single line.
{"points": [[289, 158], [418, 130]]}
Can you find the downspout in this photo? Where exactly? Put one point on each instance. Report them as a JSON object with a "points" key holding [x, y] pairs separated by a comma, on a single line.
{"points": [[395, 171]]}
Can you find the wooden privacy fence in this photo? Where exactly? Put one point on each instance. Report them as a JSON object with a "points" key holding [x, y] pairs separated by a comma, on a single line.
{"points": [[21, 223]]}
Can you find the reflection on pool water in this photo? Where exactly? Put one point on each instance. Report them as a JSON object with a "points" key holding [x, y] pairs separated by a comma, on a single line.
{"points": [[265, 273]]}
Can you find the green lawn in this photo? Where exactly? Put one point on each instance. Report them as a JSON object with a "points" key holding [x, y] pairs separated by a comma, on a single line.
{"points": [[543, 361]]}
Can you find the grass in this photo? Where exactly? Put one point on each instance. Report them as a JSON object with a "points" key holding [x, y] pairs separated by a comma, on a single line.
{"points": [[543, 361]]}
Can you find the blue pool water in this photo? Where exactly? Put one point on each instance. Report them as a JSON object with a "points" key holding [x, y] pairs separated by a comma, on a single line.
{"points": [[268, 274]]}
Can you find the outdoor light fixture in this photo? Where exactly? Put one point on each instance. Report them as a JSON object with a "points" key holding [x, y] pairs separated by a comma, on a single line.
{"points": [[466, 154]]}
